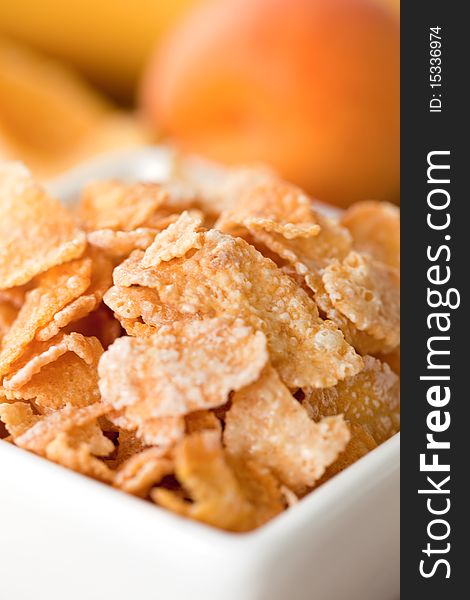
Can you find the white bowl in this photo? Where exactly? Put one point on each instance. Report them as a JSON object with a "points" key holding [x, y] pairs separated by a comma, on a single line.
{"points": [[66, 537]]}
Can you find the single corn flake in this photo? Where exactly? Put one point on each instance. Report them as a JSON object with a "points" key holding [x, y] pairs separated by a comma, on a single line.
{"points": [[360, 444], [138, 306], [135, 327], [268, 425], [53, 383], [274, 206], [361, 341], [77, 456], [375, 228], [44, 353], [367, 292], [68, 380], [266, 226], [79, 423], [101, 281], [174, 241], [214, 188], [260, 487], [187, 367], [54, 290], [218, 496], [36, 232], [163, 432], [370, 399], [227, 277], [18, 417], [118, 205], [119, 244], [139, 473]]}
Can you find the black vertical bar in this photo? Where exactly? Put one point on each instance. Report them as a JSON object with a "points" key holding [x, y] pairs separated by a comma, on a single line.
{"points": [[424, 131]]}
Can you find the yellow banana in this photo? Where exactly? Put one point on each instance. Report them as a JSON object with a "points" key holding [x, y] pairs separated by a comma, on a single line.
{"points": [[109, 40]]}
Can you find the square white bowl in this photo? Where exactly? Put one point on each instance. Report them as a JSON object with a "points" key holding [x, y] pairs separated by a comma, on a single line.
{"points": [[66, 537]]}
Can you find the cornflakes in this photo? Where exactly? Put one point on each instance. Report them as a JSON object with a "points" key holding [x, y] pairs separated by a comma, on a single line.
{"points": [[54, 290], [119, 206], [275, 207], [18, 417], [58, 380], [36, 231], [262, 348], [79, 423], [137, 304], [367, 292], [218, 496], [267, 424], [370, 399], [228, 277], [375, 228], [101, 281], [174, 241], [142, 471], [41, 354], [118, 244], [187, 367]]}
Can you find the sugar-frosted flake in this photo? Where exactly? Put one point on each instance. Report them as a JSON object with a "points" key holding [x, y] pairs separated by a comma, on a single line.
{"points": [[174, 241], [73, 421], [275, 207], [268, 425], [67, 380], [101, 281], [136, 304], [371, 399], [36, 231], [43, 353], [359, 445], [367, 292], [228, 277], [187, 367], [118, 244], [361, 341], [54, 290]]}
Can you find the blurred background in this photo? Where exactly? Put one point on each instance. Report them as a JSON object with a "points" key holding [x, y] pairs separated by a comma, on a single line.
{"points": [[309, 86]]}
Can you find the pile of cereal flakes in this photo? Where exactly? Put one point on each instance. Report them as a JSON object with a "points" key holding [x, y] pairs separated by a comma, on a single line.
{"points": [[219, 347]]}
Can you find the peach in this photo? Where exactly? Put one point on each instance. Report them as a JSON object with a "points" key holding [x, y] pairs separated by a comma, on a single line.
{"points": [[309, 86]]}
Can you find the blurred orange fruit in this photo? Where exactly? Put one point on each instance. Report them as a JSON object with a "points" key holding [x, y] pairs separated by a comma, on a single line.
{"points": [[393, 4], [310, 86]]}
